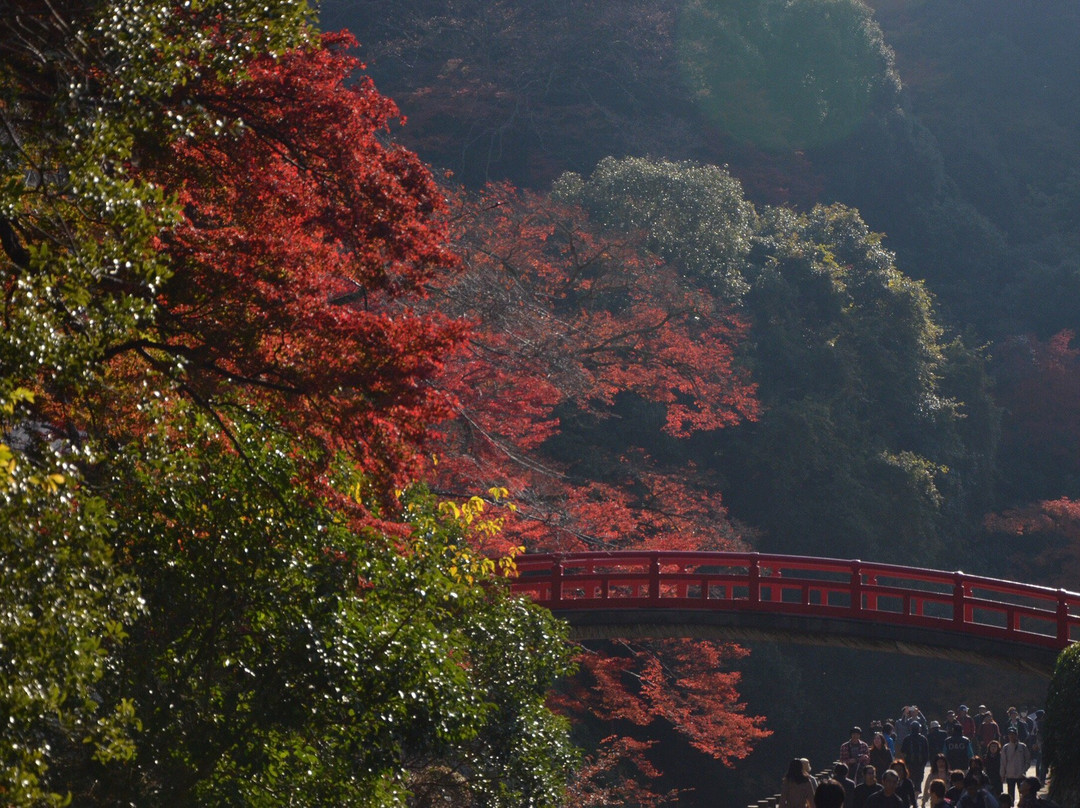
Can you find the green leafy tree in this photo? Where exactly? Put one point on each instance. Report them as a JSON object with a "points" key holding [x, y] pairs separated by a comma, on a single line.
{"points": [[1060, 752], [692, 215], [285, 655], [81, 89], [857, 439], [64, 608], [786, 75]]}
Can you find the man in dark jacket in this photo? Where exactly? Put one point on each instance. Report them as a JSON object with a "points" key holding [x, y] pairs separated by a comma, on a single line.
{"points": [[916, 753], [936, 737], [887, 797], [868, 786], [958, 749], [840, 775]]}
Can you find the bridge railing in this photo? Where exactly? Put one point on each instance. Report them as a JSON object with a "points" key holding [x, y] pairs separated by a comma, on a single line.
{"points": [[803, 585]]}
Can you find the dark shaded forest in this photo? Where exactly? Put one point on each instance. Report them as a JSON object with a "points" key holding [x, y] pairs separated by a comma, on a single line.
{"points": [[894, 214]]}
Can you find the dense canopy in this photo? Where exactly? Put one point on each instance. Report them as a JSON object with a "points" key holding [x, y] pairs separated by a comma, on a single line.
{"points": [[287, 380]]}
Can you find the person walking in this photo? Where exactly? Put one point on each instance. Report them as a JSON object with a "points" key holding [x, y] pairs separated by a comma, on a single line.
{"points": [[867, 787], [1029, 794], [936, 738], [881, 756], [965, 721], [916, 753], [1017, 723], [958, 749], [840, 775], [975, 796], [888, 796], [992, 766], [975, 767], [1035, 744], [988, 731], [797, 787], [1015, 760], [855, 754], [905, 788], [936, 789], [939, 770]]}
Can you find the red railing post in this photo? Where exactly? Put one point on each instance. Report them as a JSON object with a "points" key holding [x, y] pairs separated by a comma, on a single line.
{"points": [[959, 612], [1063, 618], [556, 581], [754, 582], [856, 586], [654, 577]]}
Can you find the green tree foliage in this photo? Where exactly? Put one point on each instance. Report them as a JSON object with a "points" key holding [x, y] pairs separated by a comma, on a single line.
{"points": [[692, 215], [80, 89], [1062, 723], [64, 607], [287, 656], [786, 75], [847, 355], [858, 447]]}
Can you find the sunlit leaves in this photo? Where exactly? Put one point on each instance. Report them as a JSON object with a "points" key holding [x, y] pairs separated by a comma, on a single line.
{"points": [[293, 657], [61, 614], [692, 215]]}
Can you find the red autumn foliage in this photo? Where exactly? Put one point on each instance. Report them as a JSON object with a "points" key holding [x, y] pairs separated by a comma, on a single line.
{"points": [[681, 682], [1045, 540], [306, 239], [589, 359], [1039, 388], [572, 327], [608, 777], [333, 239]]}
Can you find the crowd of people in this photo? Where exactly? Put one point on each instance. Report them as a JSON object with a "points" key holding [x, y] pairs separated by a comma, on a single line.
{"points": [[974, 762]]}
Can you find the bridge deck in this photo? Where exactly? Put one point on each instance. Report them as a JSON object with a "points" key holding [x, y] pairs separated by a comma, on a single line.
{"points": [[747, 596]]}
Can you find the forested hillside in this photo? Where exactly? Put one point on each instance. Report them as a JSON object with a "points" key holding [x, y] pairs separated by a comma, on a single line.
{"points": [[884, 194], [305, 338], [949, 128]]}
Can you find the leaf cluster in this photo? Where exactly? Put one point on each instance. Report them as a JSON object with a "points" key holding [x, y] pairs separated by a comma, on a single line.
{"points": [[64, 610], [1062, 721]]}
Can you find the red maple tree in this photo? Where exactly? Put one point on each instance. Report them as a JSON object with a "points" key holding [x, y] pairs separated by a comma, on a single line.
{"points": [[1044, 541], [591, 367], [305, 240], [1039, 388], [334, 312], [589, 358]]}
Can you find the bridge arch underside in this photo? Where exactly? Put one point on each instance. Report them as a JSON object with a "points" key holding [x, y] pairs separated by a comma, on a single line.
{"points": [[747, 626]]}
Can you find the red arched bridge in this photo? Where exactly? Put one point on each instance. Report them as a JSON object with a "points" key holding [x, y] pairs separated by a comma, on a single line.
{"points": [[753, 596]]}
